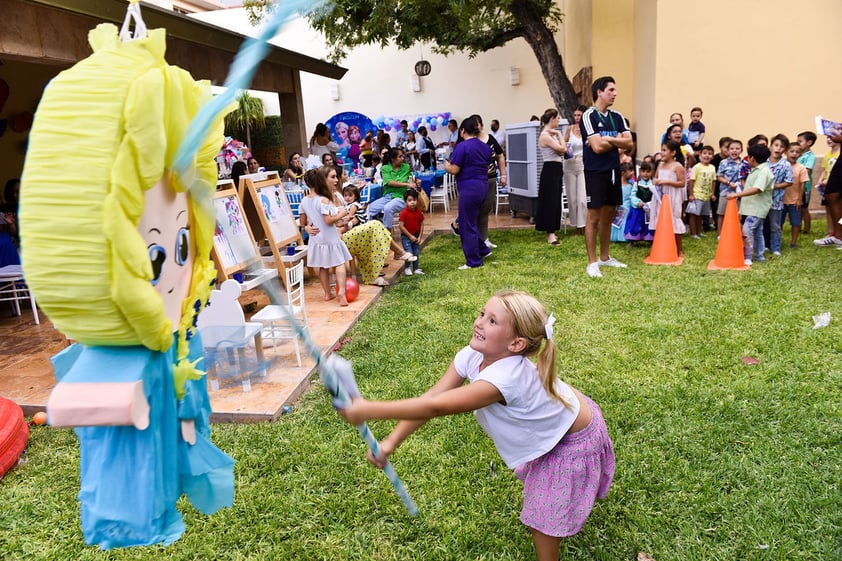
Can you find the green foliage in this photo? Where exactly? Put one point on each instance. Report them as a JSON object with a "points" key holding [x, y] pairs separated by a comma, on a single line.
{"points": [[716, 460], [248, 113], [270, 136], [471, 26]]}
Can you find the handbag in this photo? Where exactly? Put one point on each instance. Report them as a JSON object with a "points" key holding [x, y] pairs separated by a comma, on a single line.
{"points": [[568, 154], [423, 200]]}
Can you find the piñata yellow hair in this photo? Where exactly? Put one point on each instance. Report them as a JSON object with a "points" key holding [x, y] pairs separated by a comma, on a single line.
{"points": [[106, 131]]}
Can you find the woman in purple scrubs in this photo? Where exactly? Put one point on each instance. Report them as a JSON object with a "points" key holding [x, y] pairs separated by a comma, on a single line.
{"points": [[469, 163]]}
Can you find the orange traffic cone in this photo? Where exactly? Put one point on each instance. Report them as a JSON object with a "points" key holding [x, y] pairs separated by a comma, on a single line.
{"points": [[729, 251], [664, 249]]}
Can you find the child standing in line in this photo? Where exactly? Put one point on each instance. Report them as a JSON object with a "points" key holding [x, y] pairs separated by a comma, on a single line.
{"points": [[618, 225], [828, 162], [782, 172], [806, 140], [700, 188], [671, 181], [759, 190], [552, 435], [412, 227], [325, 249], [637, 222], [728, 175], [794, 194], [696, 130]]}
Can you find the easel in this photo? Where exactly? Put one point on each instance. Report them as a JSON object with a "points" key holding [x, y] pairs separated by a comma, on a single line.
{"points": [[269, 201], [234, 249]]}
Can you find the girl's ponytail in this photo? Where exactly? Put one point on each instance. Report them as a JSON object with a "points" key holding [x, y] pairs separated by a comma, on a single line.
{"points": [[531, 321]]}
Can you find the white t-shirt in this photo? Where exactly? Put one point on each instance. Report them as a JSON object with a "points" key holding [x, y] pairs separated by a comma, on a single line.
{"points": [[531, 423]]}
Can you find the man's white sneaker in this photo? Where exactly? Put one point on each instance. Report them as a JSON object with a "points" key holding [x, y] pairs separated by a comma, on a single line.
{"points": [[611, 262], [407, 272], [593, 270], [490, 245], [419, 272], [828, 240], [464, 267]]}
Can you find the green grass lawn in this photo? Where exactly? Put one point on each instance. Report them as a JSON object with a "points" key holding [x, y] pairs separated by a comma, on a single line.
{"points": [[716, 460]]}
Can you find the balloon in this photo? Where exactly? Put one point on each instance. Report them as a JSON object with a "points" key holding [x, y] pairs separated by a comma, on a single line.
{"points": [[387, 128], [433, 127], [352, 289], [440, 120]]}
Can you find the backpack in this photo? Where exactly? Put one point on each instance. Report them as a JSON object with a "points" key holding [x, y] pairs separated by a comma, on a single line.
{"points": [[644, 193]]}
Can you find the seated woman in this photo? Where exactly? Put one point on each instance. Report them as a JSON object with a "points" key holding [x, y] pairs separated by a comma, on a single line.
{"points": [[9, 207], [238, 169], [295, 170], [8, 231]]}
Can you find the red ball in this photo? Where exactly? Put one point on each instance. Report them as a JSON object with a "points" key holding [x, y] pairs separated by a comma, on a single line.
{"points": [[352, 289]]}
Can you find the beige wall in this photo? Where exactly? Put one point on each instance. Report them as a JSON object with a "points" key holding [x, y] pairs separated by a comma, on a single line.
{"points": [[765, 66], [576, 51], [613, 49]]}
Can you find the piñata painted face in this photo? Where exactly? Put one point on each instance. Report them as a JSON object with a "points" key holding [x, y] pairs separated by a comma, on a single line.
{"points": [[165, 226]]}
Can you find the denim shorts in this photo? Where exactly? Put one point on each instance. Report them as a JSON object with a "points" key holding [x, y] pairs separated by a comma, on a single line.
{"points": [[794, 214]]}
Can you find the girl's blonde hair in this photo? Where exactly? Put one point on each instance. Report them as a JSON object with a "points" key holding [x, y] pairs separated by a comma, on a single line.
{"points": [[529, 320]]}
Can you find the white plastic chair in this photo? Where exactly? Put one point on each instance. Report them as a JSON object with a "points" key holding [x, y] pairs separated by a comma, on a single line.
{"points": [[275, 318], [223, 327], [13, 289]]}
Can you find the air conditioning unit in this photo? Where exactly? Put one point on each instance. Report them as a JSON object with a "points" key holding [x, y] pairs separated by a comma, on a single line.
{"points": [[523, 165]]}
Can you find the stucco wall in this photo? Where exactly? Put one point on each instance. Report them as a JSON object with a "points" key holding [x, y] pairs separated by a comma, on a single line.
{"points": [[754, 66]]}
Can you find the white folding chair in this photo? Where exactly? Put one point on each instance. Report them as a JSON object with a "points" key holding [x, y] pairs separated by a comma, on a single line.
{"points": [[439, 196], [501, 199], [275, 318], [450, 185], [365, 194], [565, 208], [294, 197], [13, 289]]}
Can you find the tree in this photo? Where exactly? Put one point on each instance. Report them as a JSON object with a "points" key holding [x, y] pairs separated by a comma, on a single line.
{"points": [[248, 114], [470, 26]]}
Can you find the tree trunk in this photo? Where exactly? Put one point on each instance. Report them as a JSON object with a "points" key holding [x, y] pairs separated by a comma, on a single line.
{"points": [[539, 37]]}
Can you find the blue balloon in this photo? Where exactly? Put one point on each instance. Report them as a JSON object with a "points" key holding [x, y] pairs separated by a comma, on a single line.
{"points": [[433, 127], [387, 127]]}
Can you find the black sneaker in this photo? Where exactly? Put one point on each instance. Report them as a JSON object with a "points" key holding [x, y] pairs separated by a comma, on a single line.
{"points": [[454, 228]]}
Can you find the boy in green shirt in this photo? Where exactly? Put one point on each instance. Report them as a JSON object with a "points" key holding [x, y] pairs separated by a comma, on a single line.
{"points": [[758, 189]]}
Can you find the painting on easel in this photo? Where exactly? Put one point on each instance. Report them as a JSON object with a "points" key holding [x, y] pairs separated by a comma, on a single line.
{"points": [[233, 244]]}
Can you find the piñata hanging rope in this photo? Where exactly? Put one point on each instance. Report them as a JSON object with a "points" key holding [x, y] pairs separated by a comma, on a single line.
{"points": [[336, 373]]}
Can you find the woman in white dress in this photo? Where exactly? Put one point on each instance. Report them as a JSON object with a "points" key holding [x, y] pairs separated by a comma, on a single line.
{"points": [[574, 174]]}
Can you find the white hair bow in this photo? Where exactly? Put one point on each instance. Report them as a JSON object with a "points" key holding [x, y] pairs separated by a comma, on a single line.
{"points": [[548, 327]]}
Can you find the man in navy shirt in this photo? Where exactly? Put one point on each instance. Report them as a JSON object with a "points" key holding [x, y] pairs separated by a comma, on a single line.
{"points": [[606, 134]]}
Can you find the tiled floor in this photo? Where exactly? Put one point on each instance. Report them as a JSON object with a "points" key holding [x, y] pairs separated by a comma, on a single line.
{"points": [[26, 375]]}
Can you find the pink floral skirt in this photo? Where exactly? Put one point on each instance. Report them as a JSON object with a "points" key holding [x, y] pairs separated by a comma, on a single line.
{"points": [[560, 487]]}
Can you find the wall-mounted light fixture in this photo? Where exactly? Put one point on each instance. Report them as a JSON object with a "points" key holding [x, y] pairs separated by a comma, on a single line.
{"points": [[334, 91], [514, 73], [415, 82]]}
